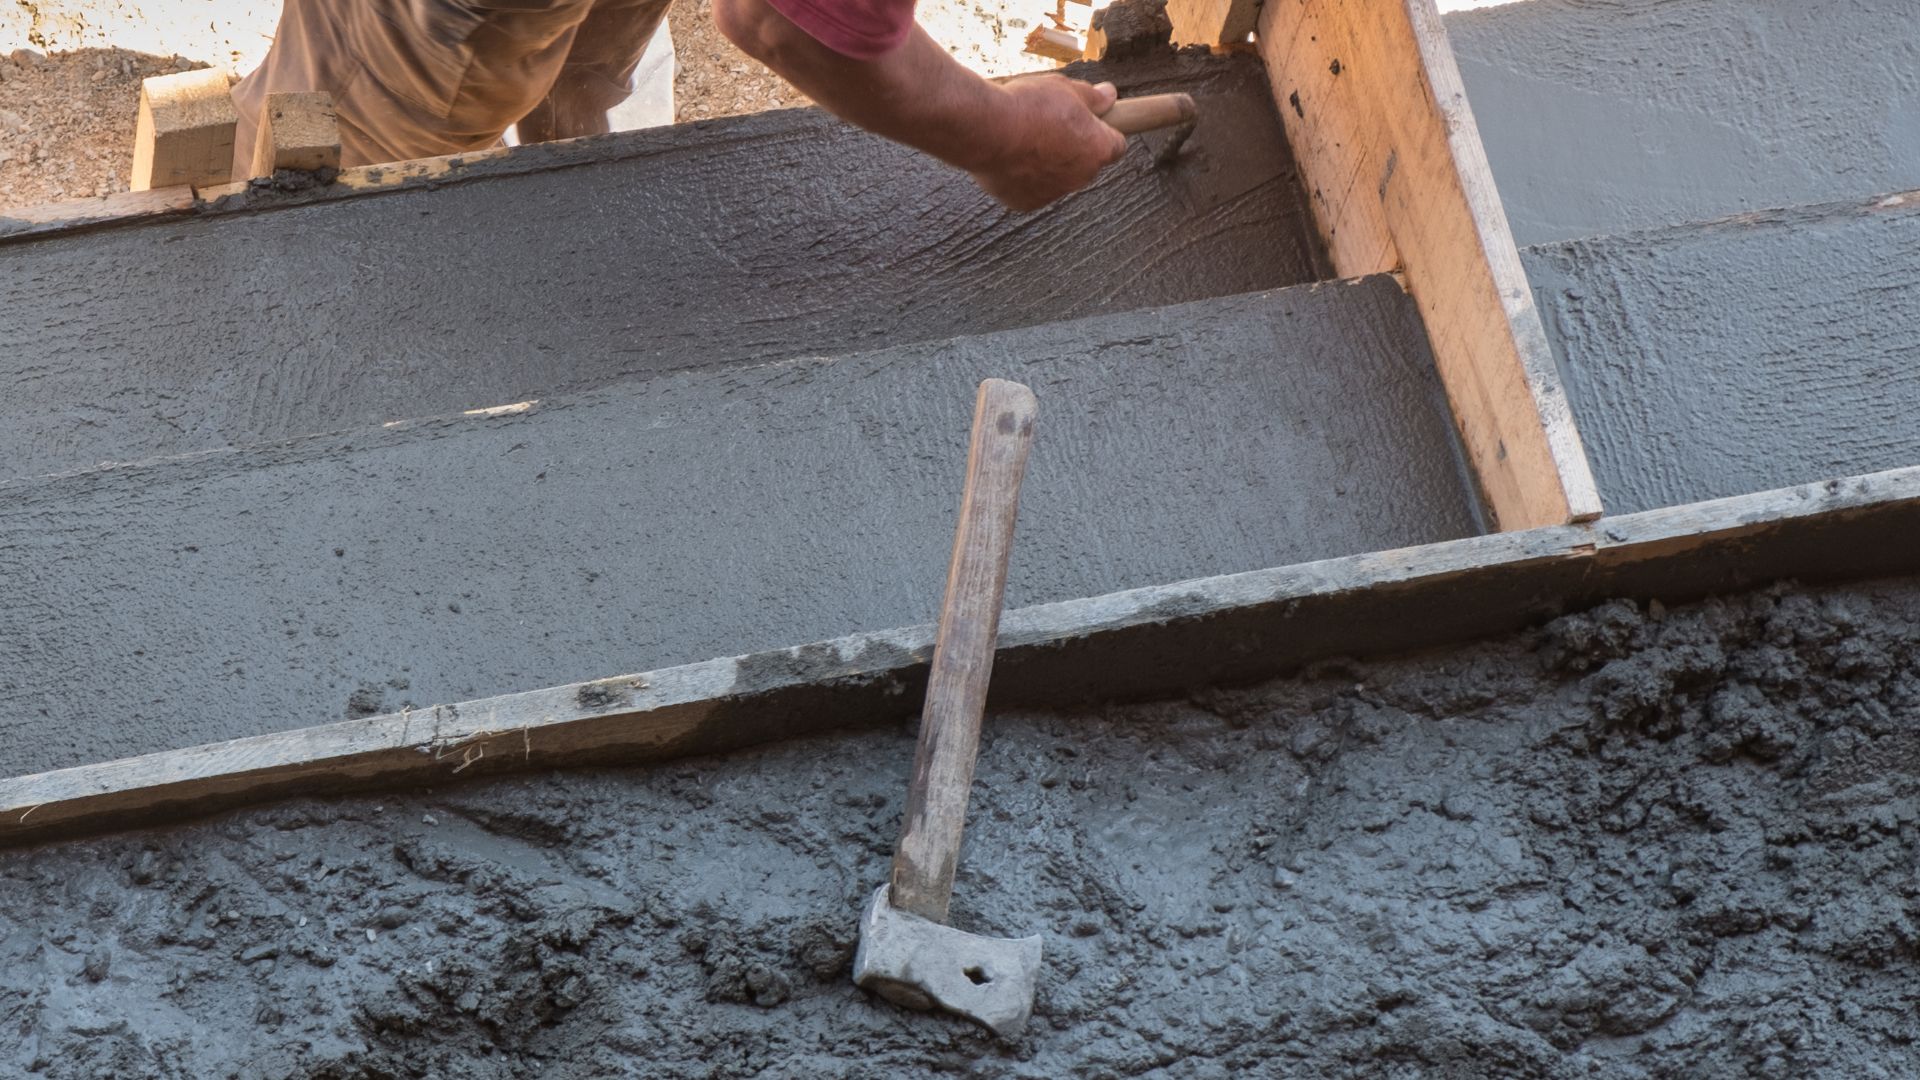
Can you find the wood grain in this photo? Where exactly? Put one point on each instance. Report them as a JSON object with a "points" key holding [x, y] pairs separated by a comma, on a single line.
{"points": [[936, 810], [184, 131], [1378, 119], [297, 131]]}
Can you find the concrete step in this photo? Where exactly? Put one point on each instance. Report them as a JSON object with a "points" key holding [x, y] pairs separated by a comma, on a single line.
{"points": [[702, 513], [729, 242], [1609, 116], [1740, 355]]}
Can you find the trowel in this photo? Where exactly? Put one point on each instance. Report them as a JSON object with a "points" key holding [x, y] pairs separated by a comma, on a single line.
{"points": [[907, 953], [1139, 115]]}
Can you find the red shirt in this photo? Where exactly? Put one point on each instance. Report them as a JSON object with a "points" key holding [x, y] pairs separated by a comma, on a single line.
{"points": [[861, 29]]}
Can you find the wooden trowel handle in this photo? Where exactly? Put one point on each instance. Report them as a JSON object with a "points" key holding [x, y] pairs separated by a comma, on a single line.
{"points": [[1131, 116], [936, 810]]}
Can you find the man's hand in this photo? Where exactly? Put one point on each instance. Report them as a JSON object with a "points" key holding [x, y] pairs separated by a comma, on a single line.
{"points": [[1026, 142], [1048, 140]]}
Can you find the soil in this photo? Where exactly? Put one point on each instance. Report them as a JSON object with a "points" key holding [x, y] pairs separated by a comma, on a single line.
{"points": [[1635, 842]]}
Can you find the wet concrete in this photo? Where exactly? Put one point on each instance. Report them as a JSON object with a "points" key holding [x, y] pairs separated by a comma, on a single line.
{"points": [[1638, 842], [729, 242], [1741, 355], [710, 512], [1606, 116]]}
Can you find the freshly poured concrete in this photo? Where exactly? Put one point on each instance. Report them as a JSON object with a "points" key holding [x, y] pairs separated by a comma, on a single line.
{"points": [[1637, 843], [709, 512], [1606, 116], [1741, 355], [737, 241]]}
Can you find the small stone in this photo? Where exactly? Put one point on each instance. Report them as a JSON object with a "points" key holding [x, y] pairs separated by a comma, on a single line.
{"points": [[259, 953], [1283, 878], [98, 961], [429, 819], [371, 936], [392, 918], [467, 1002]]}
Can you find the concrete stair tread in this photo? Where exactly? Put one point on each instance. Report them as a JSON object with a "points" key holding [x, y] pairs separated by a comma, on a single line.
{"points": [[702, 513], [728, 242], [1740, 355]]}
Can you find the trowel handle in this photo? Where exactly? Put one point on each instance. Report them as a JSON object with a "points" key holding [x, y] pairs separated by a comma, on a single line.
{"points": [[1131, 116], [936, 810]]}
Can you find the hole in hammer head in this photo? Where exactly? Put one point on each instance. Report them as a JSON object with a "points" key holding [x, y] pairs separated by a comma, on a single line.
{"points": [[977, 974]]}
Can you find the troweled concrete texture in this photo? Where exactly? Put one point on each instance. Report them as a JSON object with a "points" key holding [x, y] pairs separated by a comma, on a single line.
{"points": [[1741, 355], [745, 240], [1606, 116], [1638, 843], [709, 512]]}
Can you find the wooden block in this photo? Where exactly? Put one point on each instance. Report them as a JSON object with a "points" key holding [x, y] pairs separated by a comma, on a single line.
{"points": [[298, 131], [1377, 116], [1055, 43], [184, 133]]}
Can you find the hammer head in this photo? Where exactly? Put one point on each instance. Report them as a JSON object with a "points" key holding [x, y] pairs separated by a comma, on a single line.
{"points": [[920, 964]]}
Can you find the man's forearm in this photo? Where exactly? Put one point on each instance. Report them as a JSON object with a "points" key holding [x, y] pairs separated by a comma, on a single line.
{"points": [[916, 94]]}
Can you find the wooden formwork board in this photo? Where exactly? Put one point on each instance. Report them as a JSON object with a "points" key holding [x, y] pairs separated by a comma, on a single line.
{"points": [[1397, 179], [1138, 643]]}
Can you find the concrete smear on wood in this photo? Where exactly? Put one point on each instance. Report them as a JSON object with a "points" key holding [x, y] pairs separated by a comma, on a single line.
{"points": [[1604, 116], [1635, 843], [705, 513], [1741, 355], [752, 239]]}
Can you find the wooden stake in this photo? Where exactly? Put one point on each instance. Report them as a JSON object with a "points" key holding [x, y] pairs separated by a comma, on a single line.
{"points": [[1377, 116], [184, 132], [298, 130]]}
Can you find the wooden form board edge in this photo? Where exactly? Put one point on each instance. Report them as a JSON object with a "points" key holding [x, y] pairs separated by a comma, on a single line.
{"points": [[1377, 116], [1154, 640]]}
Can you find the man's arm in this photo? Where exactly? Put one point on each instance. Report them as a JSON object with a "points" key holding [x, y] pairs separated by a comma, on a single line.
{"points": [[1027, 142]]}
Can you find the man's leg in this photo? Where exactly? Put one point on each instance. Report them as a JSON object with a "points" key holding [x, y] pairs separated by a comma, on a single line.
{"points": [[414, 78], [598, 73]]}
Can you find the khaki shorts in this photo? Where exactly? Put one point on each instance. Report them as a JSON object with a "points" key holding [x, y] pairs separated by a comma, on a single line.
{"points": [[421, 78]]}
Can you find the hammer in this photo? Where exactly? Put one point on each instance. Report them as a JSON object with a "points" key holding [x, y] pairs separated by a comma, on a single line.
{"points": [[907, 954], [1137, 115]]}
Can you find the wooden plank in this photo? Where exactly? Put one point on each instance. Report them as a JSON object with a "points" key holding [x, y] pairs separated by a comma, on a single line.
{"points": [[72, 214], [1377, 116], [184, 131], [1141, 642], [298, 131]]}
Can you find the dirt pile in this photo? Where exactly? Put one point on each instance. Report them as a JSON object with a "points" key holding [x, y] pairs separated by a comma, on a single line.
{"points": [[1635, 842]]}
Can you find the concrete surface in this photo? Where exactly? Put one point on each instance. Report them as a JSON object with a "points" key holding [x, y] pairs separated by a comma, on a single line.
{"points": [[1608, 116], [710, 512], [1639, 843], [1751, 353], [734, 241]]}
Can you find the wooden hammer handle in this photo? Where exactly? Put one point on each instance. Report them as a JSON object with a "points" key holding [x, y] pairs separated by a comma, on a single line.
{"points": [[1131, 116], [936, 810]]}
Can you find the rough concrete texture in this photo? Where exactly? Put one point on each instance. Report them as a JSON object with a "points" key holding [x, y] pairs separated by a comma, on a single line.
{"points": [[709, 512], [1741, 355], [1606, 116], [1635, 843], [749, 239]]}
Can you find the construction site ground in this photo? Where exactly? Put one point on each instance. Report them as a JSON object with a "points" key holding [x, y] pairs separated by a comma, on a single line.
{"points": [[70, 73]]}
